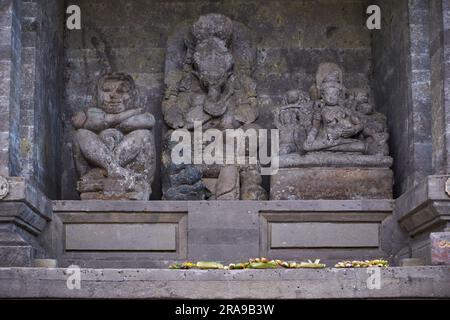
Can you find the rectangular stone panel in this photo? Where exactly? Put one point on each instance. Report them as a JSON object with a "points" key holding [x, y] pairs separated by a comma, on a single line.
{"points": [[323, 235], [121, 237], [331, 183]]}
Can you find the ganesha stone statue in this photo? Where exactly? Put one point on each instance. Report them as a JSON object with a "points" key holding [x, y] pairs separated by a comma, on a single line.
{"points": [[209, 67], [113, 146]]}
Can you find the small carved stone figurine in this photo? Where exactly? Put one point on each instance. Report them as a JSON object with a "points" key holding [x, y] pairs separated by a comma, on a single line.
{"points": [[113, 146]]}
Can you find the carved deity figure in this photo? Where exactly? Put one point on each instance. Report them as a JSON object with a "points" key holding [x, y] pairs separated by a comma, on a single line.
{"points": [[293, 120], [334, 119], [113, 145], [208, 79], [375, 132], [334, 126]]}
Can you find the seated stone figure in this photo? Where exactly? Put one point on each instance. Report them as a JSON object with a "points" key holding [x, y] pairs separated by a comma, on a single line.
{"points": [[113, 145], [293, 121], [208, 79], [336, 150], [334, 126], [375, 132]]}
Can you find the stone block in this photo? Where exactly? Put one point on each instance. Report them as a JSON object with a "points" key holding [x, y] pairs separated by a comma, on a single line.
{"points": [[16, 256], [324, 235], [331, 183], [440, 248], [120, 237]]}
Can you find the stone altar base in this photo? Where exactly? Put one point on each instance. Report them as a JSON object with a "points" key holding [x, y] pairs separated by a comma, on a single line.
{"points": [[396, 283], [332, 176], [331, 183], [147, 234]]}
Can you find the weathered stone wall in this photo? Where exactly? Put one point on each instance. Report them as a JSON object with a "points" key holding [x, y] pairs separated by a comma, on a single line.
{"points": [[48, 98], [292, 37], [10, 46], [440, 81], [31, 91], [402, 87]]}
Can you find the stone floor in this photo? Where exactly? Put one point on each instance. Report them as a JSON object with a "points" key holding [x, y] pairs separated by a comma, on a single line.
{"points": [[405, 282]]}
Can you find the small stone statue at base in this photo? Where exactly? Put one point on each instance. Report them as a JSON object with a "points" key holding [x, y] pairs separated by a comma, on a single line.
{"points": [[113, 146]]}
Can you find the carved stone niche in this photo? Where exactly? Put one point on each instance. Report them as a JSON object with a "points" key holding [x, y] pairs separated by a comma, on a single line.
{"points": [[113, 148], [333, 145], [208, 78]]}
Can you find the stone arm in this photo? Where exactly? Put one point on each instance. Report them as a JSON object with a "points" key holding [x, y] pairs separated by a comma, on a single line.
{"points": [[95, 119], [113, 120], [139, 122], [316, 124]]}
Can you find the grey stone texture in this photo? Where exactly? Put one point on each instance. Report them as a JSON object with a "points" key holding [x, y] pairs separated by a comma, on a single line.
{"points": [[440, 248], [396, 283], [401, 85], [30, 91], [120, 237], [324, 235], [440, 82]]}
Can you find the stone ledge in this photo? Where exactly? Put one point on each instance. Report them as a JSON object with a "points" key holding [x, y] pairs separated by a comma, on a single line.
{"points": [[407, 282], [424, 207], [21, 190], [335, 160], [374, 205]]}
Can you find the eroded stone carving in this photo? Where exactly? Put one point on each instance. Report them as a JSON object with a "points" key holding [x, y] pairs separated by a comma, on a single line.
{"points": [[209, 81], [4, 187], [113, 145], [334, 119], [331, 134]]}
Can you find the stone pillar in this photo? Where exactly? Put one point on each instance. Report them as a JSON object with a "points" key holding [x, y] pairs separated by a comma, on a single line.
{"points": [[10, 59], [402, 87], [31, 50], [440, 84]]}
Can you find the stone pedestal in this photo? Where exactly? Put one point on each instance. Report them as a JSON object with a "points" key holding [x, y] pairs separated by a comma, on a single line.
{"points": [[424, 212], [24, 214], [332, 176]]}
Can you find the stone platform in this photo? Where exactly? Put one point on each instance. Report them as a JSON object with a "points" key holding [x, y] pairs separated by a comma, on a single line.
{"points": [[322, 175], [147, 234], [396, 283]]}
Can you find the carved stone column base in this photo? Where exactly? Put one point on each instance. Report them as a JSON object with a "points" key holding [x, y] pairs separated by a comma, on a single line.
{"points": [[24, 214], [424, 212]]}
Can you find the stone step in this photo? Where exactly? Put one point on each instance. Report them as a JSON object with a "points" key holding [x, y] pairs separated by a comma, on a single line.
{"points": [[398, 283]]}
